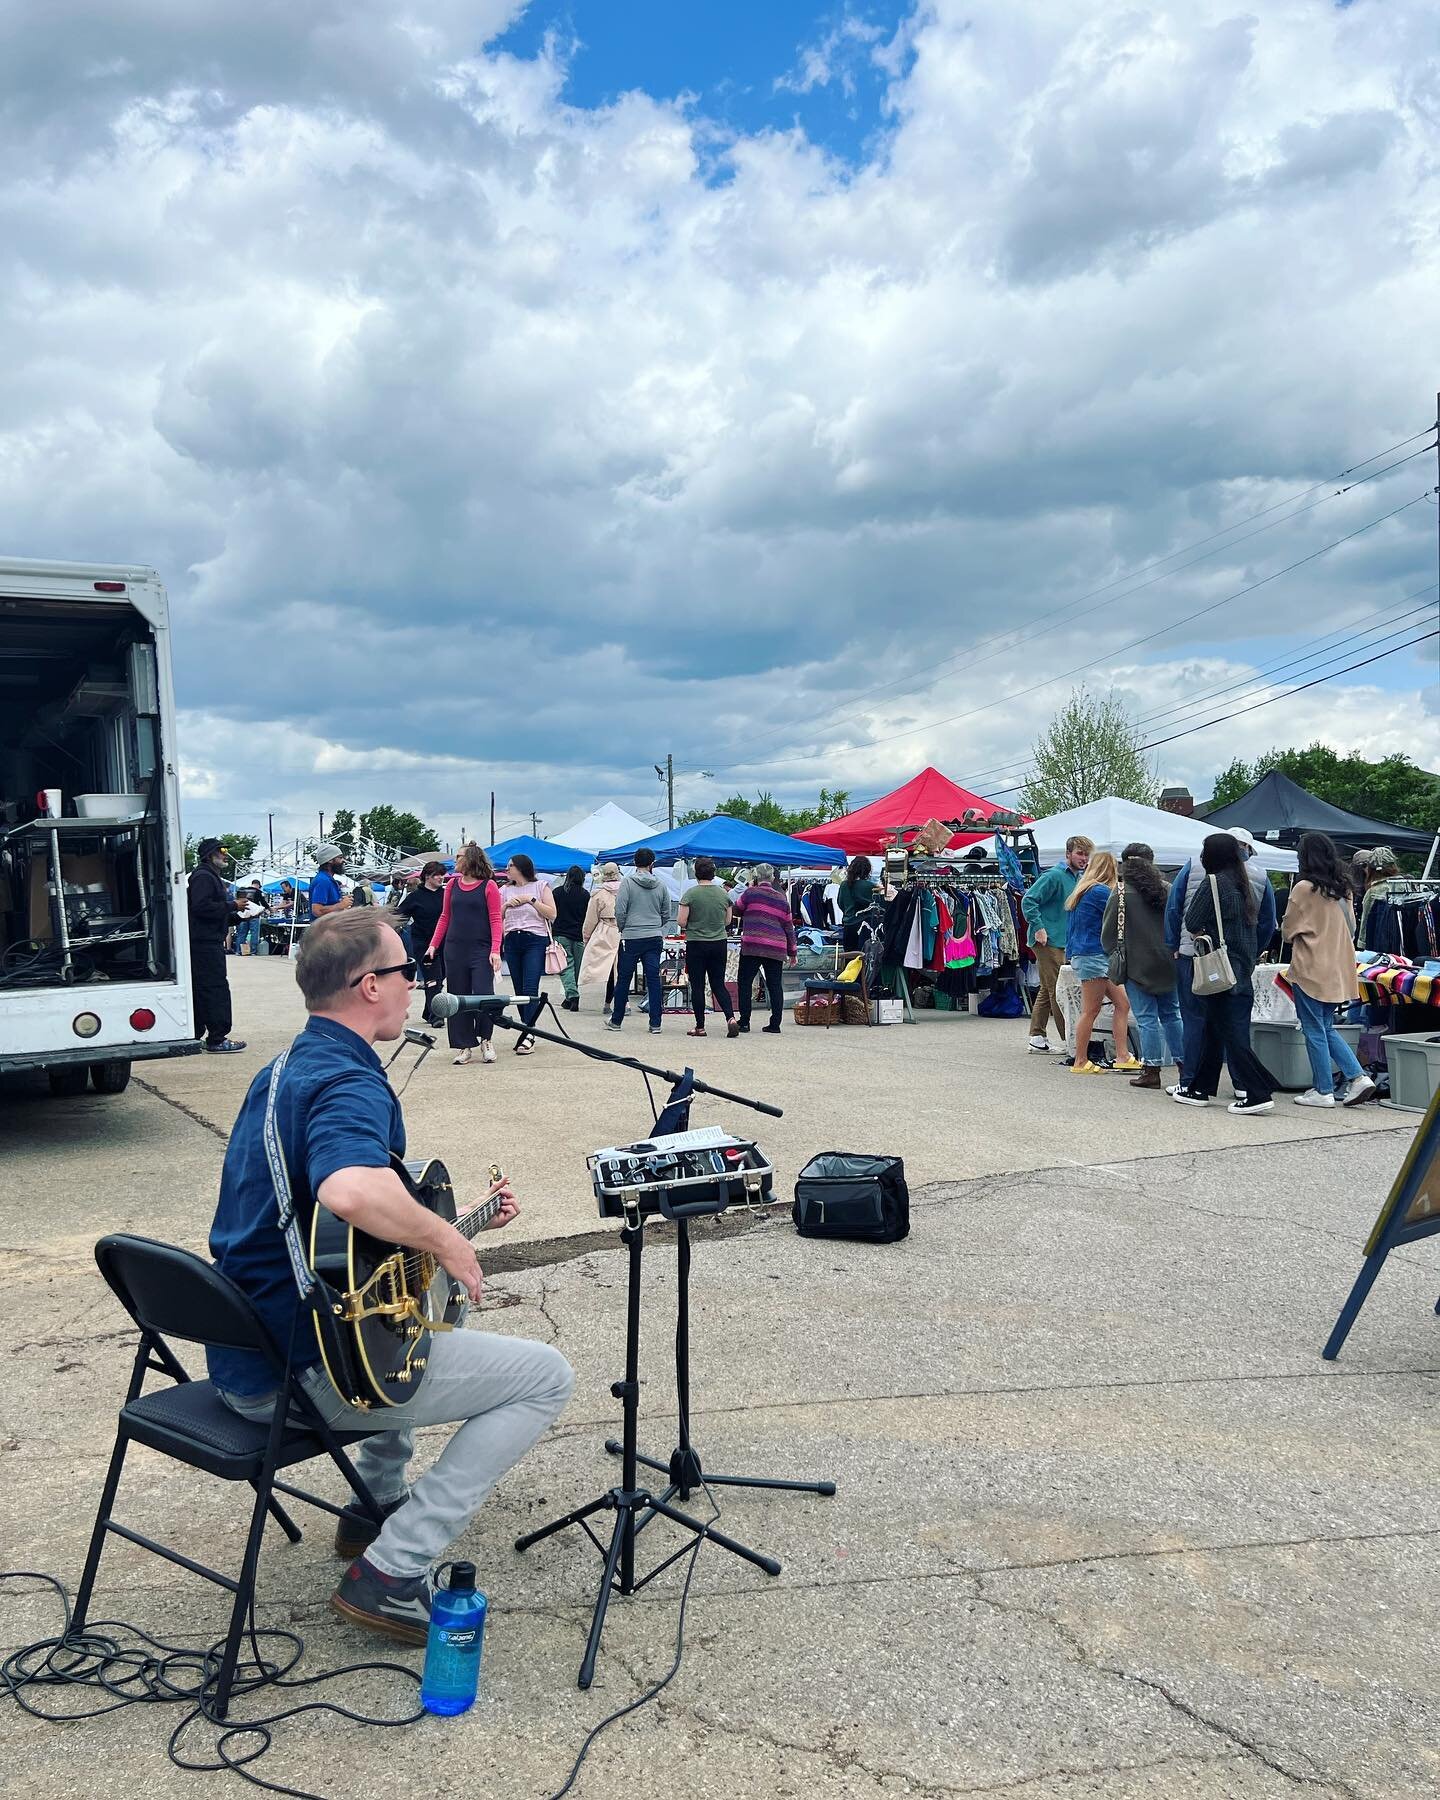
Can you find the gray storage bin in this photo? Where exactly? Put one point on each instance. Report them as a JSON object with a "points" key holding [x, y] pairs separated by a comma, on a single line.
{"points": [[1282, 1053], [1413, 1059]]}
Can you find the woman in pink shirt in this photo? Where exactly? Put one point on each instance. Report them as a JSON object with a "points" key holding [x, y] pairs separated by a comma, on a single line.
{"points": [[469, 931], [529, 909]]}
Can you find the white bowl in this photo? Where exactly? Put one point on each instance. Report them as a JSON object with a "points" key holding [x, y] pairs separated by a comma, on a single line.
{"points": [[109, 806]]}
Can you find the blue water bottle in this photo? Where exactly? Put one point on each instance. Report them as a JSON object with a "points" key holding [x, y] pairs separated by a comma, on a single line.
{"points": [[452, 1651]]}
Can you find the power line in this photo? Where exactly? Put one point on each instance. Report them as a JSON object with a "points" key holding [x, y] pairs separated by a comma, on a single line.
{"points": [[1240, 712], [1134, 643], [1059, 618]]}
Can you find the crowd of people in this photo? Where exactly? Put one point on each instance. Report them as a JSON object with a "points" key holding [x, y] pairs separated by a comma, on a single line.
{"points": [[1135, 940]]}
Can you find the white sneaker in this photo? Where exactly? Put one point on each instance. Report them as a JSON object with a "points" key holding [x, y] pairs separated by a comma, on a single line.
{"points": [[487, 1051], [1040, 1044], [1313, 1097], [1357, 1091]]}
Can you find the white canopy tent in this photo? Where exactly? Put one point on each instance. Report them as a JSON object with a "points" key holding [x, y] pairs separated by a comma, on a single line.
{"points": [[608, 824], [1112, 824]]}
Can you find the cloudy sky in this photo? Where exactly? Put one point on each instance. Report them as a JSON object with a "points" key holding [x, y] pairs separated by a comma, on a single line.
{"points": [[512, 394]]}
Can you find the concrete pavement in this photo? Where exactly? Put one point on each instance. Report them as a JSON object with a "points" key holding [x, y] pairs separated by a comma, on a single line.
{"points": [[1106, 1528]]}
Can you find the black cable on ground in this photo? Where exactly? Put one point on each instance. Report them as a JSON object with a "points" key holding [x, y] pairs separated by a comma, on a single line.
{"points": [[151, 1672]]}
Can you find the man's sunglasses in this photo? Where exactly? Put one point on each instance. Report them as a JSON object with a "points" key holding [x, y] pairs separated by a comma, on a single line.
{"points": [[407, 969]]}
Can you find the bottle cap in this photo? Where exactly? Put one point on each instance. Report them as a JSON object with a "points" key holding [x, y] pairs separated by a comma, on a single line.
{"points": [[462, 1578]]}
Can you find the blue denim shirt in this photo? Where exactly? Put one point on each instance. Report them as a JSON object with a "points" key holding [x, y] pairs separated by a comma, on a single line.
{"points": [[335, 1110]]}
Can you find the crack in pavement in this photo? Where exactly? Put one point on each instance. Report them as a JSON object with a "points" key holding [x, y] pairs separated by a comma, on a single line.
{"points": [[1070, 1638], [190, 1113]]}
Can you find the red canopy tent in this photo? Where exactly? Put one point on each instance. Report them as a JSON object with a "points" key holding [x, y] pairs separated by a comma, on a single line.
{"points": [[930, 795]]}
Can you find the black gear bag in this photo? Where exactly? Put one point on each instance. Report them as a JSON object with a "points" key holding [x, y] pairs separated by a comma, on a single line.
{"points": [[841, 1194]]}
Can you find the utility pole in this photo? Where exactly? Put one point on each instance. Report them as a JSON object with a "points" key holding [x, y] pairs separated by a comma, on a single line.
{"points": [[491, 838], [667, 775], [322, 828], [270, 817], [534, 824]]}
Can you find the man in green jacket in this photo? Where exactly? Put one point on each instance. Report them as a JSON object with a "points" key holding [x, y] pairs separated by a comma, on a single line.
{"points": [[1045, 917]]}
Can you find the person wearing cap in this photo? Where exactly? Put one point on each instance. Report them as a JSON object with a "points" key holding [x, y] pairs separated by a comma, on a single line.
{"points": [[212, 913], [325, 892], [1182, 944]]}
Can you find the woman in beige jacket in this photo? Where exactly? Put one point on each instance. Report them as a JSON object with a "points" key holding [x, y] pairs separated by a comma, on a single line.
{"points": [[602, 932], [1320, 926]]}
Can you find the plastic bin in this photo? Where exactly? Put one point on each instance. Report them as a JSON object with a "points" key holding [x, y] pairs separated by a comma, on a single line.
{"points": [[109, 806], [1282, 1053], [1413, 1059]]}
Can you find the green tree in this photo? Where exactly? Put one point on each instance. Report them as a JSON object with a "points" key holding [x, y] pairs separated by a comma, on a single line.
{"points": [[766, 810], [395, 833], [342, 832], [1391, 789], [238, 845], [1091, 750]]}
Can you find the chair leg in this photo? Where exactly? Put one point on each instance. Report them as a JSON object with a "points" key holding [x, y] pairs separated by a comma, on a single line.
{"points": [[98, 1535], [244, 1594], [281, 1517]]}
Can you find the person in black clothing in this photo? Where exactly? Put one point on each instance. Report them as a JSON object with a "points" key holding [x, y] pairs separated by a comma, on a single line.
{"points": [[1227, 1016], [571, 901], [212, 913], [421, 906]]}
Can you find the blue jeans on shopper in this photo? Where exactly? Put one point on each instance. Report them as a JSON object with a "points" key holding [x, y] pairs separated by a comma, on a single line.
{"points": [[1323, 1041], [1191, 1015], [641, 953], [247, 931], [1157, 1019], [524, 953]]}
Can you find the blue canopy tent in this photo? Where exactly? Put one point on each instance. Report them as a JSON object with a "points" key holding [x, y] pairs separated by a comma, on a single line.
{"points": [[301, 883], [548, 858], [730, 841]]}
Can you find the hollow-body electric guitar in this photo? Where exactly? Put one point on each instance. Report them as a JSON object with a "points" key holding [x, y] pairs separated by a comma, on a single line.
{"points": [[377, 1304]]}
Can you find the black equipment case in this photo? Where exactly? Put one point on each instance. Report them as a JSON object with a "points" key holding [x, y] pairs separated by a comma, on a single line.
{"points": [[840, 1194]]}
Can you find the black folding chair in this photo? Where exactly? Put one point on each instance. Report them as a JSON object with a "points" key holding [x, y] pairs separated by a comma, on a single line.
{"points": [[171, 1293]]}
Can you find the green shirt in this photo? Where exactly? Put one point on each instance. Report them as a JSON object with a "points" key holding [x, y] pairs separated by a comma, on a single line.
{"points": [[855, 896], [708, 905]]}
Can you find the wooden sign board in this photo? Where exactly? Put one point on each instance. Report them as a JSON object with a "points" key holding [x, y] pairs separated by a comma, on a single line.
{"points": [[1411, 1211]]}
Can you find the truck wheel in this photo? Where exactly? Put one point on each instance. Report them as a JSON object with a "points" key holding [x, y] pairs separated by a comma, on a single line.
{"points": [[110, 1077], [67, 1079]]}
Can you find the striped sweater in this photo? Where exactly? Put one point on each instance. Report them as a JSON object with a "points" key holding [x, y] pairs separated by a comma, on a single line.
{"points": [[766, 927]]}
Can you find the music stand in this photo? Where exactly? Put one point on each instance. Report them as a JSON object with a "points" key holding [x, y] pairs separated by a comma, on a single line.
{"points": [[636, 1507]]}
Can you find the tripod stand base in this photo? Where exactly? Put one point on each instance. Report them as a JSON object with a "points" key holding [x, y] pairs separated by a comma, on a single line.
{"points": [[619, 1575], [686, 1475]]}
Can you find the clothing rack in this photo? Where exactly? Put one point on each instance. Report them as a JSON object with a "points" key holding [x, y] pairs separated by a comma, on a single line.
{"points": [[932, 874]]}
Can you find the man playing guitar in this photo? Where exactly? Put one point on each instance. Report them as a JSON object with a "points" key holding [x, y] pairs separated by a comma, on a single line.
{"points": [[338, 1122]]}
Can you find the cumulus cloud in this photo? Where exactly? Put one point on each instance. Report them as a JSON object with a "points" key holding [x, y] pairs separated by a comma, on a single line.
{"points": [[486, 441]]}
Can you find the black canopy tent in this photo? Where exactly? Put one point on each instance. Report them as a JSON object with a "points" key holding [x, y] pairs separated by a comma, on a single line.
{"points": [[1280, 812]]}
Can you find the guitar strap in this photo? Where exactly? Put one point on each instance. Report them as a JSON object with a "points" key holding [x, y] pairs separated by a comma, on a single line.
{"points": [[280, 1180]]}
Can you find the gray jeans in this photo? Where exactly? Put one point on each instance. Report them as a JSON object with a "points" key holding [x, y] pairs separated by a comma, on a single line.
{"points": [[502, 1391]]}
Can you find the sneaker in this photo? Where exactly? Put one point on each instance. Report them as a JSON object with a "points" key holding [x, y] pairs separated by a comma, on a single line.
{"points": [[357, 1531], [1086, 1068], [1313, 1097], [226, 1046], [1247, 1105], [612, 1024], [655, 1031], [773, 1030], [462, 1059], [384, 1603], [1358, 1091], [1040, 1044], [1183, 1096], [487, 1051], [743, 1025], [1128, 1063]]}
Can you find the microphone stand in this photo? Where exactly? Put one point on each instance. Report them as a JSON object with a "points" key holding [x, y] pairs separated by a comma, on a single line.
{"points": [[634, 1506]]}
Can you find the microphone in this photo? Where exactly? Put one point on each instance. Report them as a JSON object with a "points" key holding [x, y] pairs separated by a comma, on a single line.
{"points": [[448, 1006]]}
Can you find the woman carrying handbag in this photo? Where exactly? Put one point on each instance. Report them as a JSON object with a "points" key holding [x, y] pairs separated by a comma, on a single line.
{"points": [[529, 908], [1133, 931], [1221, 917]]}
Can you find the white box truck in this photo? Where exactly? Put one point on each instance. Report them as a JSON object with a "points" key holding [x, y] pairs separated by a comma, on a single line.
{"points": [[94, 946]]}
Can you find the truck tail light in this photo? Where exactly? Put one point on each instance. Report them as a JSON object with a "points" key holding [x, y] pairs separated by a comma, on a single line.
{"points": [[142, 1019], [109, 587]]}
